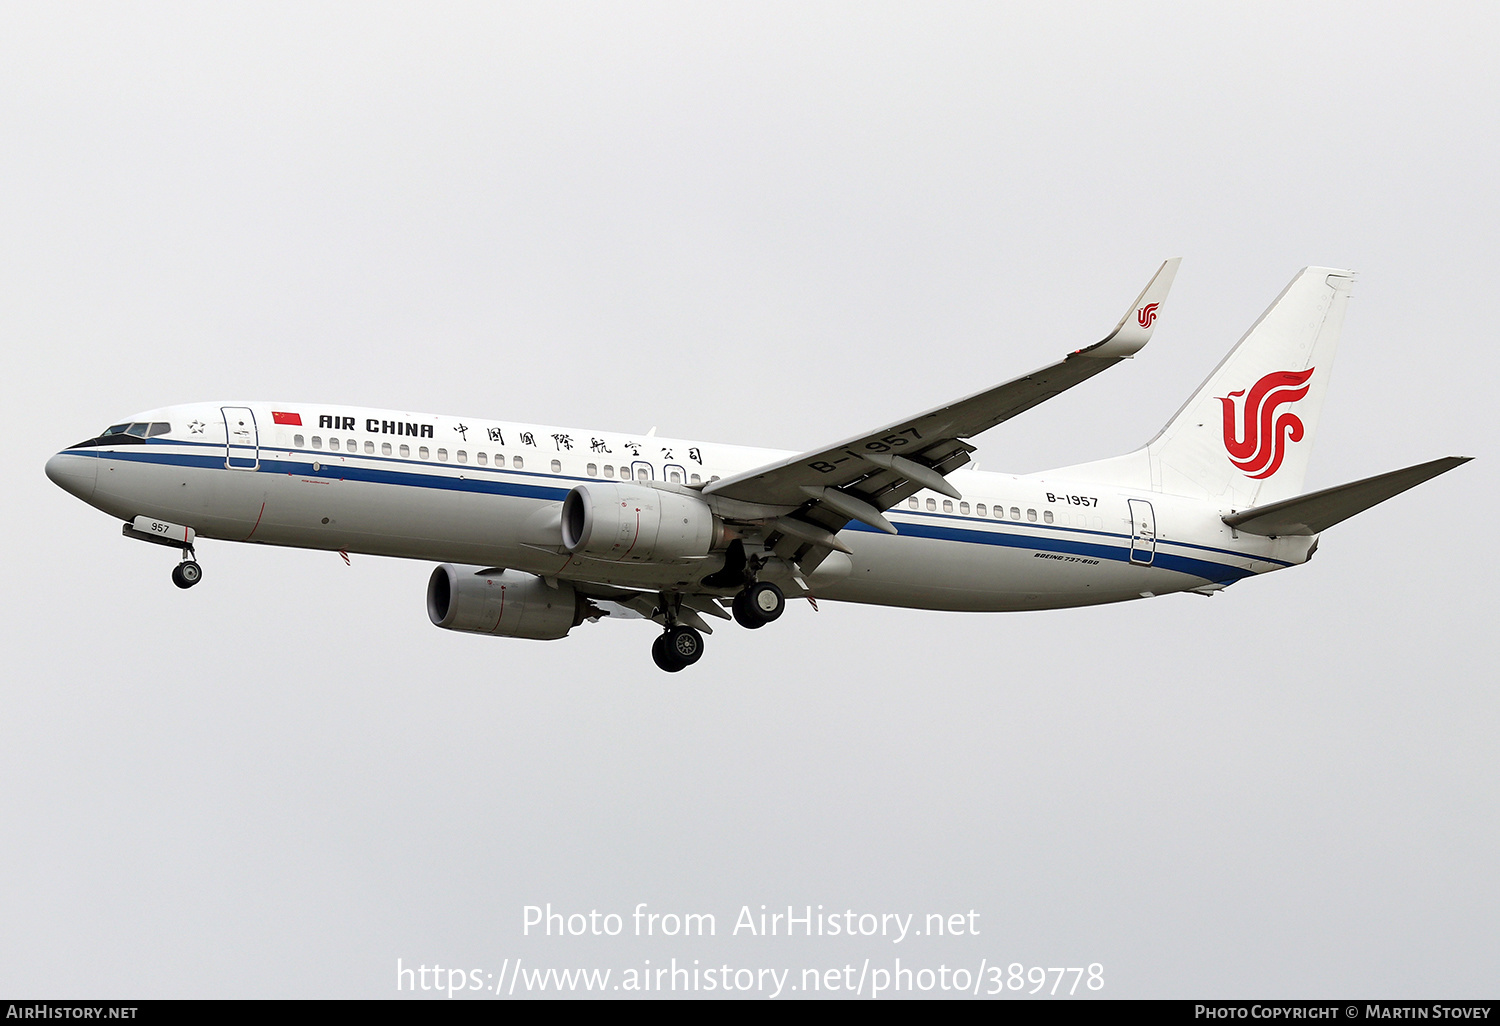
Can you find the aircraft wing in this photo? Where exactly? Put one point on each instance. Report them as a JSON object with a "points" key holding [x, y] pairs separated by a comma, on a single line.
{"points": [[860, 477]]}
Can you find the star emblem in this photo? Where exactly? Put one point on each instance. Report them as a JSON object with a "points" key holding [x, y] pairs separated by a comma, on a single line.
{"points": [[196, 427]]}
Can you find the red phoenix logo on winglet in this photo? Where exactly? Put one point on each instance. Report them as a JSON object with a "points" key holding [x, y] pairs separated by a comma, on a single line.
{"points": [[1255, 444], [1146, 315]]}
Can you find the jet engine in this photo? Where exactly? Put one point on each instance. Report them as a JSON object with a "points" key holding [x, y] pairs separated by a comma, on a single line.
{"points": [[634, 523], [504, 602]]}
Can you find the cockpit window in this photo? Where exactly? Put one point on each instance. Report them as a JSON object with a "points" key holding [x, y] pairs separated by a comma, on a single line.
{"points": [[126, 434], [139, 429]]}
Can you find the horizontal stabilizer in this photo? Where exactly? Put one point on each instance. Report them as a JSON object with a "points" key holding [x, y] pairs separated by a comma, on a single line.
{"points": [[1317, 511]]}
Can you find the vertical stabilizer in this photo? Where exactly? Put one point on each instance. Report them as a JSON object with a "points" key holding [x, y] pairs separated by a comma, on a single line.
{"points": [[1245, 436]]}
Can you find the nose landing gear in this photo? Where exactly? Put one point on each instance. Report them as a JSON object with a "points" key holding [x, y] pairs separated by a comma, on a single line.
{"points": [[160, 532]]}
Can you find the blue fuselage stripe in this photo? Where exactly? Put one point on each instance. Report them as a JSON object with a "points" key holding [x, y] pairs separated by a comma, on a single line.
{"points": [[1206, 569]]}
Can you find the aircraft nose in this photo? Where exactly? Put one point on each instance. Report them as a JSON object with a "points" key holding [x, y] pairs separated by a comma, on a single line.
{"points": [[74, 473]]}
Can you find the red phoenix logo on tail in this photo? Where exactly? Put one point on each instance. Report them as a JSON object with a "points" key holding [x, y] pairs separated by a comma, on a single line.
{"points": [[1146, 315], [1255, 444]]}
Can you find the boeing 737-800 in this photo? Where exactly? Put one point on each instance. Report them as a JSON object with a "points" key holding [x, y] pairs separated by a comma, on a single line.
{"points": [[539, 528]]}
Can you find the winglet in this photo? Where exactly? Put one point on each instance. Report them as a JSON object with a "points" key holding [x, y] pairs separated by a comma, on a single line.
{"points": [[1134, 329]]}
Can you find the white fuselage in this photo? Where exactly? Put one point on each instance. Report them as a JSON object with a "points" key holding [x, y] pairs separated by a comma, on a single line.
{"points": [[487, 493]]}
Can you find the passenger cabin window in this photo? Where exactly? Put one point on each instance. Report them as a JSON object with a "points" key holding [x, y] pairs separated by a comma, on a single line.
{"points": [[1015, 512], [333, 444], [351, 445], [1031, 515], [609, 471], [932, 504], [1047, 515], [298, 441], [405, 450], [914, 502], [422, 452], [593, 469], [675, 476], [979, 509], [963, 507], [517, 462], [695, 479], [463, 457], [947, 505], [557, 466], [369, 448], [481, 459], [385, 448], [442, 455], [317, 441]]}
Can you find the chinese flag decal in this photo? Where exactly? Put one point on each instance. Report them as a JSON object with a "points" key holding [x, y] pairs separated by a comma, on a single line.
{"points": [[289, 419]]}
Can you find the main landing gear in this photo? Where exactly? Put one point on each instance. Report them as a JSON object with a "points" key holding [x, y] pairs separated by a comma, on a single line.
{"points": [[679, 647], [758, 604]]}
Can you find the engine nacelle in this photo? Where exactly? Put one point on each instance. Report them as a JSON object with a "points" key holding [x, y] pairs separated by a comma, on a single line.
{"points": [[504, 602], [633, 523]]}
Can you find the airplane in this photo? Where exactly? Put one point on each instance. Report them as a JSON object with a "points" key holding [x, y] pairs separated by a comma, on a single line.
{"points": [[539, 528]]}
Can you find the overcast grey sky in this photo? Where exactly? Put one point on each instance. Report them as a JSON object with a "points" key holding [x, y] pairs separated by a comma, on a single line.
{"points": [[772, 224]]}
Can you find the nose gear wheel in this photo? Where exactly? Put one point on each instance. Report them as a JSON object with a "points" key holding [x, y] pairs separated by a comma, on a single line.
{"points": [[187, 573]]}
